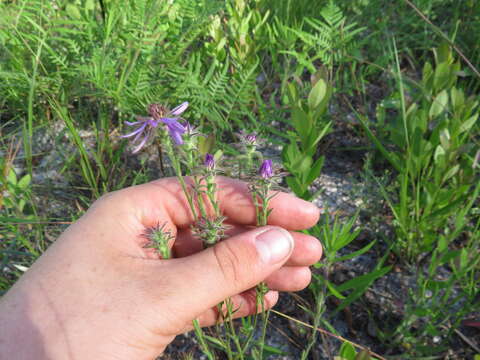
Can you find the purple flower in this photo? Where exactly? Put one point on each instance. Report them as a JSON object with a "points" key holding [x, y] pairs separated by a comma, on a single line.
{"points": [[266, 169], [145, 129], [147, 125], [251, 139], [209, 161]]}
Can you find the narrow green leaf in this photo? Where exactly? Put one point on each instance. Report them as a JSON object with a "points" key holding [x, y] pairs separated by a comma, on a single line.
{"points": [[356, 253], [334, 291]]}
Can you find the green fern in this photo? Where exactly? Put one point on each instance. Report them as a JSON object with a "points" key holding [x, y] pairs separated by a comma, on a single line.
{"points": [[330, 41]]}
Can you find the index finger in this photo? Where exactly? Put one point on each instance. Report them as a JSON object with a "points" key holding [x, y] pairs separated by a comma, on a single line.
{"points": [[236, 204]]}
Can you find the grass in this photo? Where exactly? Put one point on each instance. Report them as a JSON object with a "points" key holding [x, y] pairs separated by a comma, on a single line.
{"points": [[71, 72]]}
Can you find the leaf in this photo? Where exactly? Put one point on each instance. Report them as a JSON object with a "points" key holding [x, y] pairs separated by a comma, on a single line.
{"points": [[206, 144], [334, 291], [317, 94], [458, 98], [347, 351], [72, 11], [451, 172], [390, 156], [439, 152], [439, 104], [355, 253], [315, 170], [24, 182], [12, 177], [362, 280], [363, 355], [360, 285], [468, 124]]}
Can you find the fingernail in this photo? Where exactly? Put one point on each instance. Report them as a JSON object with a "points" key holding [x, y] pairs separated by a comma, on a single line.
{"points": [[274, 245]]}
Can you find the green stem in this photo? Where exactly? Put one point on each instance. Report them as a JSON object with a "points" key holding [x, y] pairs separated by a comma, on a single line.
{"points": [[201, 339], [178, 171]]}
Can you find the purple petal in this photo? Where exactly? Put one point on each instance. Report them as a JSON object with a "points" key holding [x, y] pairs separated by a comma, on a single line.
{"points": [[180, 108], [132, 123], [135, 132], [135, 139], [167, 120], [177, 127], [177, 137], [140, 146]]}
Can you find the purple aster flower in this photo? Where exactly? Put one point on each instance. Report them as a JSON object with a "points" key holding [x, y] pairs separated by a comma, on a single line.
{"points": [[147, 125], [145, 128], [209, 161], [251, 139], [266, 169]]}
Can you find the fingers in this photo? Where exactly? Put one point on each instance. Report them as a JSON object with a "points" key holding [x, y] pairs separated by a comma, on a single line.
{"points": [[230, 267], [243, 304], [289, 278], [235, 201], [307, 249]]}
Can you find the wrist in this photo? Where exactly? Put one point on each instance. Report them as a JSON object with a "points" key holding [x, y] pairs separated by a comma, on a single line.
{"points": [[29, 330]]}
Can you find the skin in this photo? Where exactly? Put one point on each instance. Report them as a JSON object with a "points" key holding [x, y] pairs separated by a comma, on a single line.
{"points": [[98, 293]]}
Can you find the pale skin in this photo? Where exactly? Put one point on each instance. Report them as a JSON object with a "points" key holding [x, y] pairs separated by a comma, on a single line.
{"points": [[98, 293]]}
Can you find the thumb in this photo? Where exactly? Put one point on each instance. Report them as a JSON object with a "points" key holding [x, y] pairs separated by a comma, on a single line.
{"points": [[230, 267]]}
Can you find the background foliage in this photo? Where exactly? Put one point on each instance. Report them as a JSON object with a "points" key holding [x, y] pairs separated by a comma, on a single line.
{"points": [[399, 76]]}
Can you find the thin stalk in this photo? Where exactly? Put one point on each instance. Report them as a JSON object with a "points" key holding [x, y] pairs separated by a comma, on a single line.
{"points": [[338, 337], [178, 171], [203, 344]]}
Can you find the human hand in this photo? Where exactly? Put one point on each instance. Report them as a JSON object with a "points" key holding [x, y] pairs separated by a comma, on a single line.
{"points": [[98, 293]]}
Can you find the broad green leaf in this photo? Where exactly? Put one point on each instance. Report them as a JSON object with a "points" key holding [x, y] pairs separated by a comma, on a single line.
{"points": [[439, 104], [458, 98], [363, 355], [206, 144], [439, 152], [468, 124], [441, 76], [90, 5], [24, 182], [317, 94], [347, 351], [445, 139], [72, 11], [12, 177], [451, 172], [316, 137]]}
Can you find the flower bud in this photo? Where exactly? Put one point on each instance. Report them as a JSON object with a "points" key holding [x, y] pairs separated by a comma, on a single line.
{"points": [[266, 169], [209, 161]]}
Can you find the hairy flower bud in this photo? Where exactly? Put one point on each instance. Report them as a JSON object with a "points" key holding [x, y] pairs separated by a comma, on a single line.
{"points": [[266, 169], [251, 139], [209, 161]]}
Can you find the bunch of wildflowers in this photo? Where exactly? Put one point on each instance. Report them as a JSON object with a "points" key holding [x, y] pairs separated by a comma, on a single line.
{"points": [[180, 141]]}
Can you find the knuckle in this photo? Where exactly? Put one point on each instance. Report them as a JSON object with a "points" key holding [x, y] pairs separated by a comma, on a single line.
{"points": [[228, 262]]}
